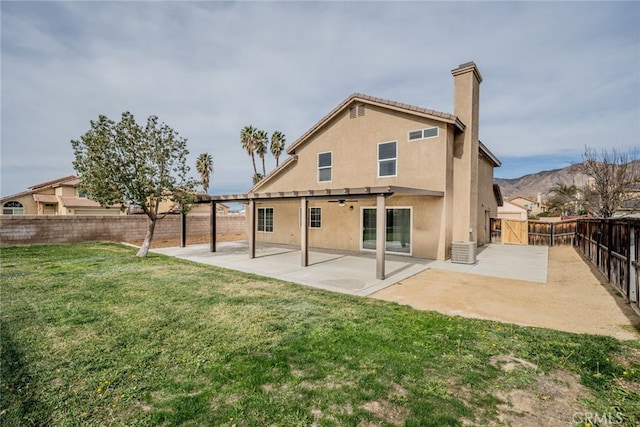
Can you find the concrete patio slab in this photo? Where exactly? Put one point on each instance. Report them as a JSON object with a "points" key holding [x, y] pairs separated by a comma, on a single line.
{"points": [[355, 273], [348, 273], [520, 262]]}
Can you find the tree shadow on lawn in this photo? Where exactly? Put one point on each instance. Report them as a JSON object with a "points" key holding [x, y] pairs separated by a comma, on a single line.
{"points": [[18, 395]]}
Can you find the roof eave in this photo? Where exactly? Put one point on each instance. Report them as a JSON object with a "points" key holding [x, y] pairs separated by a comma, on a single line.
{"points": [[274, 172], [483, 148]]}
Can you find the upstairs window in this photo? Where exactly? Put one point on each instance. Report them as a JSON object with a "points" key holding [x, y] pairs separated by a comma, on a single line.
{"points": [[423, 133], [13, 208], [325, 163], [387, 158], [265, 220]]}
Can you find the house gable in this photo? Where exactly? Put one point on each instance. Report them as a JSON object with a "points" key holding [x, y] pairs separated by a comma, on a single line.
{"points": [[353, 133]]}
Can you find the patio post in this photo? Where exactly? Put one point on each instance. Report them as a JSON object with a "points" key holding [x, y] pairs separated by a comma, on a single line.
{"points": [[304, 232], [381, 225], [212, 227], [251, 212]]}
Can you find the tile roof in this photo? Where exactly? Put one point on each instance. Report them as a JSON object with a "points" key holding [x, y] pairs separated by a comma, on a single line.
{"points": [[78, 202], [45, 198], [72, 178], [15, 196], [68, 180]]}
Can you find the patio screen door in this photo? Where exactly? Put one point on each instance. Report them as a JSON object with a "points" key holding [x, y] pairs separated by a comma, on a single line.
{"points": [[398, 230]]}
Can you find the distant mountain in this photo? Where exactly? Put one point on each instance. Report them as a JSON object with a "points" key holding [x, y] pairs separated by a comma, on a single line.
{"points": [[530, 185]]}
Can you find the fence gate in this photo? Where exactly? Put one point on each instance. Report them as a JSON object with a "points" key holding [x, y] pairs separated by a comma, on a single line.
{"points": [[515, 232]]}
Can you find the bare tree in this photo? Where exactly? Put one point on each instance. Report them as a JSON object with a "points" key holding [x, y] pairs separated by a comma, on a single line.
{"points": [[614, 180]]}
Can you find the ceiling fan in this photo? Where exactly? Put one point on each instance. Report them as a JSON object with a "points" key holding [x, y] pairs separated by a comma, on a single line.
{"points": [[342, 202]]}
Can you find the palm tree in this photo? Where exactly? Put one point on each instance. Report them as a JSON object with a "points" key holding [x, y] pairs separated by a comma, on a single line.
{"points": [[204, 166], [564, 199], [277, 145], [248, 141], [262, 139]]}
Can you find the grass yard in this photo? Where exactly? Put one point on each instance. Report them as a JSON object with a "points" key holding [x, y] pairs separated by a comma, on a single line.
{"points": [[92, 335]]}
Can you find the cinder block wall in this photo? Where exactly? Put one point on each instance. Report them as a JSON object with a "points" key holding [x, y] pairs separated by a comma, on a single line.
{"points": [[43, 229]]}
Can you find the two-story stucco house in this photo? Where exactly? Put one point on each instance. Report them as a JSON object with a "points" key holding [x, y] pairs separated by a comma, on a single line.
{"points": [[378, 175], [57, 197]]}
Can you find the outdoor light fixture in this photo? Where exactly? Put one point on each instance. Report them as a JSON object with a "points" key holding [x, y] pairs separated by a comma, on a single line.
{"points": [[340, 202]]}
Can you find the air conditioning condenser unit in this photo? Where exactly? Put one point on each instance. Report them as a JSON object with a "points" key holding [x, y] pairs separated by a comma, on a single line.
{"points": [[463, 252]]}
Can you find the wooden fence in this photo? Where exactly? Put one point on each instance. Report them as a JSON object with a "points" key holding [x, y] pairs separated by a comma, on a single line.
{"points": [[532, 232], [613, 246]]}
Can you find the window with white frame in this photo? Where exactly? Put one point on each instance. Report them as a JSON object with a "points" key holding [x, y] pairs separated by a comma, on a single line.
{"points": [[13, 208], [265, 220], [397, 229], [325, 163], [387, 158], [315, 218], [423, 133]]}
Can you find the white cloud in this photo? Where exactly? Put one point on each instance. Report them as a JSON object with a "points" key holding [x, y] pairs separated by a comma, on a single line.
{"points": [[557, 76]]}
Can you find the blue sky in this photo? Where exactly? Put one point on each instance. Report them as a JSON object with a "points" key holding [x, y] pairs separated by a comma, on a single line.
{"points": [[557, 75]]}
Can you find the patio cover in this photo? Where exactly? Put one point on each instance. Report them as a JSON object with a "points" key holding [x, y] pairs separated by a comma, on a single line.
{"points": [[379, 193]]}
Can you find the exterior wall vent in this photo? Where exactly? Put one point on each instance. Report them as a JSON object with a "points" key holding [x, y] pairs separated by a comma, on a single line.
{"points": [[356, 110], [463, 252]]}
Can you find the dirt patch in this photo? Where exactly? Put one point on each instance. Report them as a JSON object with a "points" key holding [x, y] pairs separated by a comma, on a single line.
{"points": [[510, 363], [575, 298], [554, 400], [191, 240], [393, 414]]}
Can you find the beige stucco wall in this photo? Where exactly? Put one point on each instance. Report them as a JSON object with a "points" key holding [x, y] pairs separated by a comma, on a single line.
{"points": [[354, 147], [466, 102], [342, 226], [27, 202], [66, 191], [487, 204], [511, 211]]}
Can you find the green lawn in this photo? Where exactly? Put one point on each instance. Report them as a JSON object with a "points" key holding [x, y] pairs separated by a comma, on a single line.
{"points": [[92, 335]]}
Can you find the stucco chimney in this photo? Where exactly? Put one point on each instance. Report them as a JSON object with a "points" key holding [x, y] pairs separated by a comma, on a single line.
{"points": [[466, 98], [466, 106]]}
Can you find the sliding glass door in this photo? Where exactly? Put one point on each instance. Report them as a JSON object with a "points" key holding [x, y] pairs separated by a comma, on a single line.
{"points": [[397, 231]]}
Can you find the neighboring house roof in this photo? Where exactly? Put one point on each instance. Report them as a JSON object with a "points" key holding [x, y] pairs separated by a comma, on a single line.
{"points": [[366, 99], [79, 202], [69, 180], [15, 196], [512, 207], [45, 198], [522, 198], [67, 201]]}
